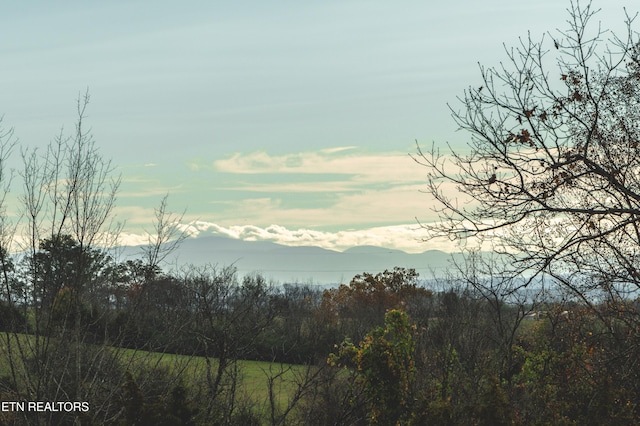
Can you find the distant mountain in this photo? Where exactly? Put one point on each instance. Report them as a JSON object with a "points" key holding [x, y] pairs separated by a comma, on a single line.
{"points": [[302, 264]]}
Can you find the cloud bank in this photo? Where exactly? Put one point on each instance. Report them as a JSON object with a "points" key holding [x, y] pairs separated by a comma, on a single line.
{"points": [[408, 237], [334, 198]]}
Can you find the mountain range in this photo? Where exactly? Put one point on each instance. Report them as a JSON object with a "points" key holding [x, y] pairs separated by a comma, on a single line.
{"points": [[300, 264]]}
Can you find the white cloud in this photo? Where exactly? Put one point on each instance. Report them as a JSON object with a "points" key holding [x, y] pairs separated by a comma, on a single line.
{"points": [[406, 237], [133, 239], [338, 149], [355, 208], [377, 194], [359, 189], [362, 168]]}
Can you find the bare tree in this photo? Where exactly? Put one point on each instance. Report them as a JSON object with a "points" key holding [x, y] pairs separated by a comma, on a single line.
{"points": [[166, 238], [551, 174], [550, 180], [69, 192]]}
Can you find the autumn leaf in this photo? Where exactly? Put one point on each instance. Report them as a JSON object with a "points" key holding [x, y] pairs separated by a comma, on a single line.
{"points": [[524, 136]]}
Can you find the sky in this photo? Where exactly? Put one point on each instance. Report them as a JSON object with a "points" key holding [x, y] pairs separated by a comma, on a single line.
{"points": [[287, 121]]}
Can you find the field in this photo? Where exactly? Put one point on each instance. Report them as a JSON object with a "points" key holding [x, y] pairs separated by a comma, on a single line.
{"points": [[253, 377]]}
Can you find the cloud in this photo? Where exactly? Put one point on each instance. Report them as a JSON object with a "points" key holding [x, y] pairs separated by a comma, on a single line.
{"points": [[289, 187], [358, 167], [133, 239], [354, 208], [311, 196], [329, 187], [338, 149], [406, 237]]}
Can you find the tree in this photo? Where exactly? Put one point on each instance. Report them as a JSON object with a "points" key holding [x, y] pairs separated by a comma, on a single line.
{"points": [[550, 180], [364, 302], [228, 318], [65, 268], [166, 238], [550, 177], [66, 206], [57, 291], [385, 364]]}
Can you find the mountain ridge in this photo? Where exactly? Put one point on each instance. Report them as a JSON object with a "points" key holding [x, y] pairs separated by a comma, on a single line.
{"points": [[303, 264]]}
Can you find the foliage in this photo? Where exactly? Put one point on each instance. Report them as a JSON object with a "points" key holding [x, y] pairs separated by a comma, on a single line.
{"points": [[353, 309], [174, 410], [384, 361], [11, 317]]}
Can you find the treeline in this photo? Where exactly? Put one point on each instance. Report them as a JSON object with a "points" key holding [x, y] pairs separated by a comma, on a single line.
{"points": [[379, 350], [199, 311]]}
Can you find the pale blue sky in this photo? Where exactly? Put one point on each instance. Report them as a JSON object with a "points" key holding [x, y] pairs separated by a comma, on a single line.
{"points": [[256, 113]]}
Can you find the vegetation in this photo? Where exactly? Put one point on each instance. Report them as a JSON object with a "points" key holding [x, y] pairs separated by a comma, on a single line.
{"points": [[384, 363], [544, 333]]}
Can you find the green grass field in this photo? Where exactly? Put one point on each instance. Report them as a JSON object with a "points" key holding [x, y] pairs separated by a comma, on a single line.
{"points": [[253, 376]]}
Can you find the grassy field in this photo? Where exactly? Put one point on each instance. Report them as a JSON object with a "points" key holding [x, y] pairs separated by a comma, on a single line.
{"points": [[253, 376]]}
